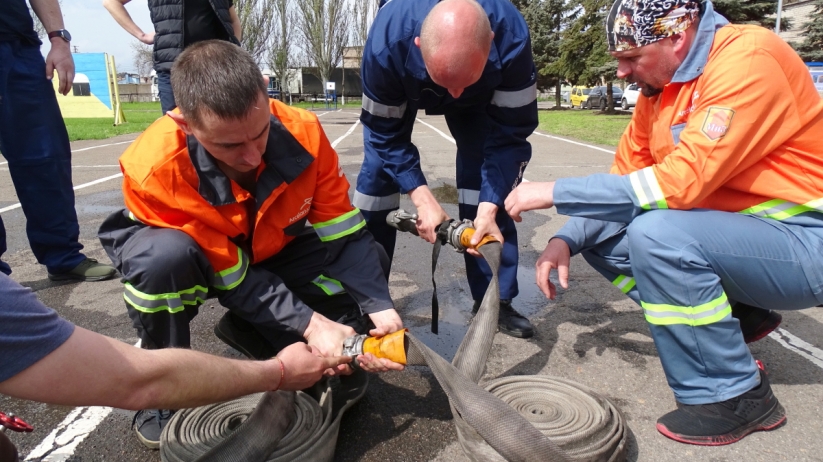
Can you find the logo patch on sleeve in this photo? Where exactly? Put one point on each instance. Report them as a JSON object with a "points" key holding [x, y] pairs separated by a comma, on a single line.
{"points": [[717, 123]]}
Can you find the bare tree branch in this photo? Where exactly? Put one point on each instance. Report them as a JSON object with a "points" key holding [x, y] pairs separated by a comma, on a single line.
{"points": [[324, 30], [257, 24], [143, 59], [280, 53]]}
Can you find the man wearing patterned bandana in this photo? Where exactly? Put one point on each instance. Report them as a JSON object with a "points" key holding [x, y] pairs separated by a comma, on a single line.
{"points": [[714, 202]]}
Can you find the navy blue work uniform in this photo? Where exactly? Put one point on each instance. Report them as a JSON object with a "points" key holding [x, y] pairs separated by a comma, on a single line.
{"points": [[34, 141], [490, 122]]}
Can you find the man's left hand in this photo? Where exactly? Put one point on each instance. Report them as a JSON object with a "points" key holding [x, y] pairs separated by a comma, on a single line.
{"points": [[59, 58], [529, 196], [485, 224], [385, 322]]}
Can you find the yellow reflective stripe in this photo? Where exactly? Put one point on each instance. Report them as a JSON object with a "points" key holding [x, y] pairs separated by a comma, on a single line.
{"points": [[647, 189], [778, 209], [133, 218], [701, 315], [624, 283], [341, 226], [328, 285], [172, 302], [232, 277]]}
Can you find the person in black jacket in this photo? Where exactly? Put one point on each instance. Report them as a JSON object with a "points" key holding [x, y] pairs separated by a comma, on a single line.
{"points": [[178, 24]]}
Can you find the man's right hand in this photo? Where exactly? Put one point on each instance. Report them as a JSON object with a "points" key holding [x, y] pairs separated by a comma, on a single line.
{"points": [[147, 38], [556, 255], [328, 336], [429, 212], [303, 366]]}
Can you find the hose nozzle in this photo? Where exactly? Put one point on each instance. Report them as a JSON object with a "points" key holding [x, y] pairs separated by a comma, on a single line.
{"points": [[392, 346]]}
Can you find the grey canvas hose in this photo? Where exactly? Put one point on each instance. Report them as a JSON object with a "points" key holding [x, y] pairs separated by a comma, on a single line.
{"points": [[520, 418]]}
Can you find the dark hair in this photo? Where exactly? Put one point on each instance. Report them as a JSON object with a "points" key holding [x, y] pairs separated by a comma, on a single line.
{"points": [[218, 77]]}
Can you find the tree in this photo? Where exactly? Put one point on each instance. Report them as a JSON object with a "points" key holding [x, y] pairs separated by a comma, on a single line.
{"points": [[280, 52], [546, 20], [363, 14], [811, 48], [324, 28], [757, 12], [143, 59], [256, 25]]}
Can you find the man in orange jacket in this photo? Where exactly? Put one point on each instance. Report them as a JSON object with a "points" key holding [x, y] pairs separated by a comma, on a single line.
{"points": [[715, 198], [243, 198]]}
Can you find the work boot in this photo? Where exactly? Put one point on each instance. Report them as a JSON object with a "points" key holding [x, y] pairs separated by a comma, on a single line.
{"points": [[509, 321], [88, 270], [755, 323], [726, 422], [149, 424], [239, 334]]}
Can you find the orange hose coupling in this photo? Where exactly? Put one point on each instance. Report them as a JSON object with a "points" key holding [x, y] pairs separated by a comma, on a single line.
{"points": [[391, 346]]}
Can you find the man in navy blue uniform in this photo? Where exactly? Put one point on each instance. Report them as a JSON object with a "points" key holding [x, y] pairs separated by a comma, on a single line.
{"points": [[470, 61], [34, 141]]}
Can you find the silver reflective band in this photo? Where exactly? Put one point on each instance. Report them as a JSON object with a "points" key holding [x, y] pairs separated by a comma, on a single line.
{"points": [[375, 203], [381, 110], [647, 189], [468, 197], [517, 98]]}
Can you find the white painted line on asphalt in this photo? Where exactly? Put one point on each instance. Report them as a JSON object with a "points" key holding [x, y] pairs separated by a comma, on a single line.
{"points": [[84, 185], [573, 142], [438, 131], [61, 443], [351, 129], [796, 344], [101, 146]]}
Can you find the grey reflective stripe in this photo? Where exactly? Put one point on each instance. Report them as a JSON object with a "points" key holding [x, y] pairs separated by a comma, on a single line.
{"points": [[229, 278], [774, 210], [647, 189], [340, 226], [382, 110], [329, 286], [468, 197], [375, 203], [171, 302], [693, 317], [517, 98]]}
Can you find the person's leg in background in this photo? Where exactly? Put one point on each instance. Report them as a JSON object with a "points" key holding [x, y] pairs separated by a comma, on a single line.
{"points": [[35, 143], [465, 126], [167, 102]]}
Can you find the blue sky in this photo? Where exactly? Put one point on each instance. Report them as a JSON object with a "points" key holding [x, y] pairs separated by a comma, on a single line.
{"points": [[93, 30]]}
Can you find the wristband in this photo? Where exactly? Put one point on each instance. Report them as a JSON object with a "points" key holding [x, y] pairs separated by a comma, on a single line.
{"points": [[282, 373]]}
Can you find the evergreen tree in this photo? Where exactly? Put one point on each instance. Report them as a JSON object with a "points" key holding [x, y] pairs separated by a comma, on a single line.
{"points": [[811, 49], [546, 19], [757, 12]]}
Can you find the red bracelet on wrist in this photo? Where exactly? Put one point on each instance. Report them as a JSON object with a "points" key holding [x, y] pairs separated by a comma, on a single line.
{"points": [[282, 374]]}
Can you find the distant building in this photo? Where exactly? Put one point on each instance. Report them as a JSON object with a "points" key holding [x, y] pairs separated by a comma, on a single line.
{"points": [[799, 12]]}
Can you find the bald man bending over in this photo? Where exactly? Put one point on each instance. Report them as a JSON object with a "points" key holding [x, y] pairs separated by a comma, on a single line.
{"points": [[470, 61]]}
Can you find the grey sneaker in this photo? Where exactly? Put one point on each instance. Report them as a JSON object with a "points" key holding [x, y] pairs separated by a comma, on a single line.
{"points": [[149, 424], [88, 270]]}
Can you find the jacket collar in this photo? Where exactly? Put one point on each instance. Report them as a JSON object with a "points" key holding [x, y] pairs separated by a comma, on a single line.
{"points": [[285, 159], [692, 67]]}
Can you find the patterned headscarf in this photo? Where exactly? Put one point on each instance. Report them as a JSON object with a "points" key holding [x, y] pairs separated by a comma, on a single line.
{"points": [[635, 23]]}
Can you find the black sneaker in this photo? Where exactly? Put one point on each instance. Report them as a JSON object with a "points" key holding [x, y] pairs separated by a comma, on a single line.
{"points": [[149, 424], [243, 337], [726, 422], [755, 323], [510, 322]]}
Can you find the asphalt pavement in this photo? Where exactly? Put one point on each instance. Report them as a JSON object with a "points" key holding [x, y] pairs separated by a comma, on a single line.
{"points": [[591, 334]]}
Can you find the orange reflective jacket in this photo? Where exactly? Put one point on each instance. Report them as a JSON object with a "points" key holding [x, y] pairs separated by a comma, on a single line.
{"points": [[170, 181]]}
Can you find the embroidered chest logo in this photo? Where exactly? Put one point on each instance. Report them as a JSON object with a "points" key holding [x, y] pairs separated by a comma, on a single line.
{"points": [[304, 209], [717, 123]]}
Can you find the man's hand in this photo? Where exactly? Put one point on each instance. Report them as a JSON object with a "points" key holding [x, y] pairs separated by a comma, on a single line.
{"points": [[485, 224], [303, 366], [370, 363], [529, 196], [429, 212], [385, 322], [147, 38], [59, 58], [328, 336], [556, 256]]}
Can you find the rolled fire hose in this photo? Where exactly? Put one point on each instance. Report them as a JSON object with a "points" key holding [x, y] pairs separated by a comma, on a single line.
{"points": [[519, 418]]}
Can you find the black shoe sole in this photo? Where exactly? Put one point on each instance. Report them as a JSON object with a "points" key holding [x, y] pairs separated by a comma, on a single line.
{"points": [[66, 277], [514, 333], [773, 419]]}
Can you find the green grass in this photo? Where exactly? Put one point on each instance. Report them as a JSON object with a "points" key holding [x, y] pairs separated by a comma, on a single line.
{"points": [[138, 117], [584, 125]]}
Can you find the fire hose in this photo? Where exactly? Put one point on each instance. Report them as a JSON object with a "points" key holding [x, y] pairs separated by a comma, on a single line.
{"points": [[519, 418]]}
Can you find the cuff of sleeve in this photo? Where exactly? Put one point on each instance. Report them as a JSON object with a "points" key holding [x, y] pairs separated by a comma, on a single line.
{"points": [[574, 248], [410, 180], [304, 317], [376, 306]]}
